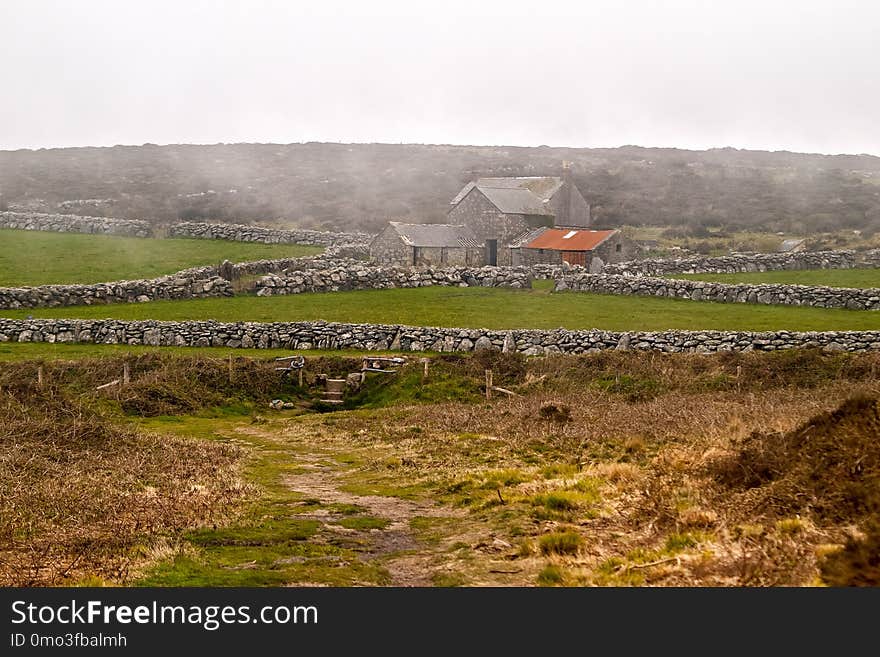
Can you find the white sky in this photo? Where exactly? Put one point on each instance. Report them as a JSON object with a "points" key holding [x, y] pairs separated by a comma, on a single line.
{"points": [[769, 74]]}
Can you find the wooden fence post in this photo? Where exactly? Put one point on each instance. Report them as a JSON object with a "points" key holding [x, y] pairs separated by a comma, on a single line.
{"points": [[488, 384], [126, 374], [40, 376], [229, 365]]}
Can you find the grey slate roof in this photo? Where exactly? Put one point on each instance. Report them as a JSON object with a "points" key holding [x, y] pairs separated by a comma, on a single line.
{"points": [[524, 238], [435, 235], [464, 192], [515, 195], [515, 201]]}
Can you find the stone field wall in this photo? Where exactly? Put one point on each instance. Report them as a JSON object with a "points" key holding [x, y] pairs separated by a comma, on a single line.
{"points": [[767, 293], [321, 335], [244, 233], [187, 284], [734, 264], [359, 276], [72, 223]]}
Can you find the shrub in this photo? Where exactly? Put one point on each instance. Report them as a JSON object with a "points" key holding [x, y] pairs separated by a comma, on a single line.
{"points": [[567, 542], [550, 575]]}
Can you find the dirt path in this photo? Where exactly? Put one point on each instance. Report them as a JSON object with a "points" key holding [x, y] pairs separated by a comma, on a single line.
{"points": [[395, 545]]}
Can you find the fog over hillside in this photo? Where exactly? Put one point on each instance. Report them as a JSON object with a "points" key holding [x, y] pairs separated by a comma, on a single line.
{"points": [[360, 186]]}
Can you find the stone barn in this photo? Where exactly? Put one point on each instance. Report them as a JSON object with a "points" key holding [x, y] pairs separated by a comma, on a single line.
{"points": [[587, 248], [501, 209], [423, 245]]}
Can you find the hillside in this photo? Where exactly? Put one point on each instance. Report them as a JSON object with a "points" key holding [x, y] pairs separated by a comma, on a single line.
{"points": [[359, 186]]}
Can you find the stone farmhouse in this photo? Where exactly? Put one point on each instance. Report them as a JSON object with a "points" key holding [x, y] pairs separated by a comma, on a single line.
{"points": [[499, 210], [426, 244], [493, 221]]}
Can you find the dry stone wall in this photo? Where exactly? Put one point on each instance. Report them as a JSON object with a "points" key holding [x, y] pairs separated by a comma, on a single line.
{"points": [[361, 277], [72, 223], [775, 294], [322, 335], [188, 284], [734, 264], [244, 233]]}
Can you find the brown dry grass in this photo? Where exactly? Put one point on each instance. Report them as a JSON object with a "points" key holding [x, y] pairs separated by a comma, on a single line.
{"points": [[678, 470], [80, 497], [658, 461]]}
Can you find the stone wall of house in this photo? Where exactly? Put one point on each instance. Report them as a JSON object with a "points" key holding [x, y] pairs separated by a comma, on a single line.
{"points": [[449, 256], [733, 264], [488, 223], [535, 257], [387, 248], [617, 248], [244, 233], [770, 294], [322, 335], [362, 277], [188, 284], [569, 207], [73, 223]]}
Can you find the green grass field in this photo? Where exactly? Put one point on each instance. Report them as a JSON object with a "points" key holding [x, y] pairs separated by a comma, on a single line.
{"points": [[482, 308], [40, 258], [14, 351], [831, 277]]}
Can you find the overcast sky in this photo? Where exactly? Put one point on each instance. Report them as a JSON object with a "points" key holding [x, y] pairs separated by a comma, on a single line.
{"points": [[768, 74]]}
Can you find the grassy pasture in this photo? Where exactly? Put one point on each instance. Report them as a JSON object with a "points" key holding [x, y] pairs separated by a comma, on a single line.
{"points": [[859, 278], [42, 258], [482, 308]]}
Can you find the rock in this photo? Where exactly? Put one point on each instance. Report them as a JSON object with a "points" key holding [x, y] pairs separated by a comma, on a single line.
{"points": [[483, 343]]}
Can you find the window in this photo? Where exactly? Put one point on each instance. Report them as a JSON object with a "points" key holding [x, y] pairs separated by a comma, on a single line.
{"points": [[618, 248]]}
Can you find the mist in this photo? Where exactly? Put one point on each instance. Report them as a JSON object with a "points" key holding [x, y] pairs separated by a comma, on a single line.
{"points": [[760, 75]]}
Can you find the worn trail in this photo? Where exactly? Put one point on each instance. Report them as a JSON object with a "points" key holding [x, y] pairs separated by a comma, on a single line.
{"points": [[395, 544]]}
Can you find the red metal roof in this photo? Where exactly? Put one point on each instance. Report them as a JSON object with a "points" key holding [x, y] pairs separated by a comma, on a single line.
{"points": [[569, 239]]}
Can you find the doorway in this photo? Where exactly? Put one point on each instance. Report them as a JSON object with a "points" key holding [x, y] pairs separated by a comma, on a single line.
{"points": [[492, 252]]}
